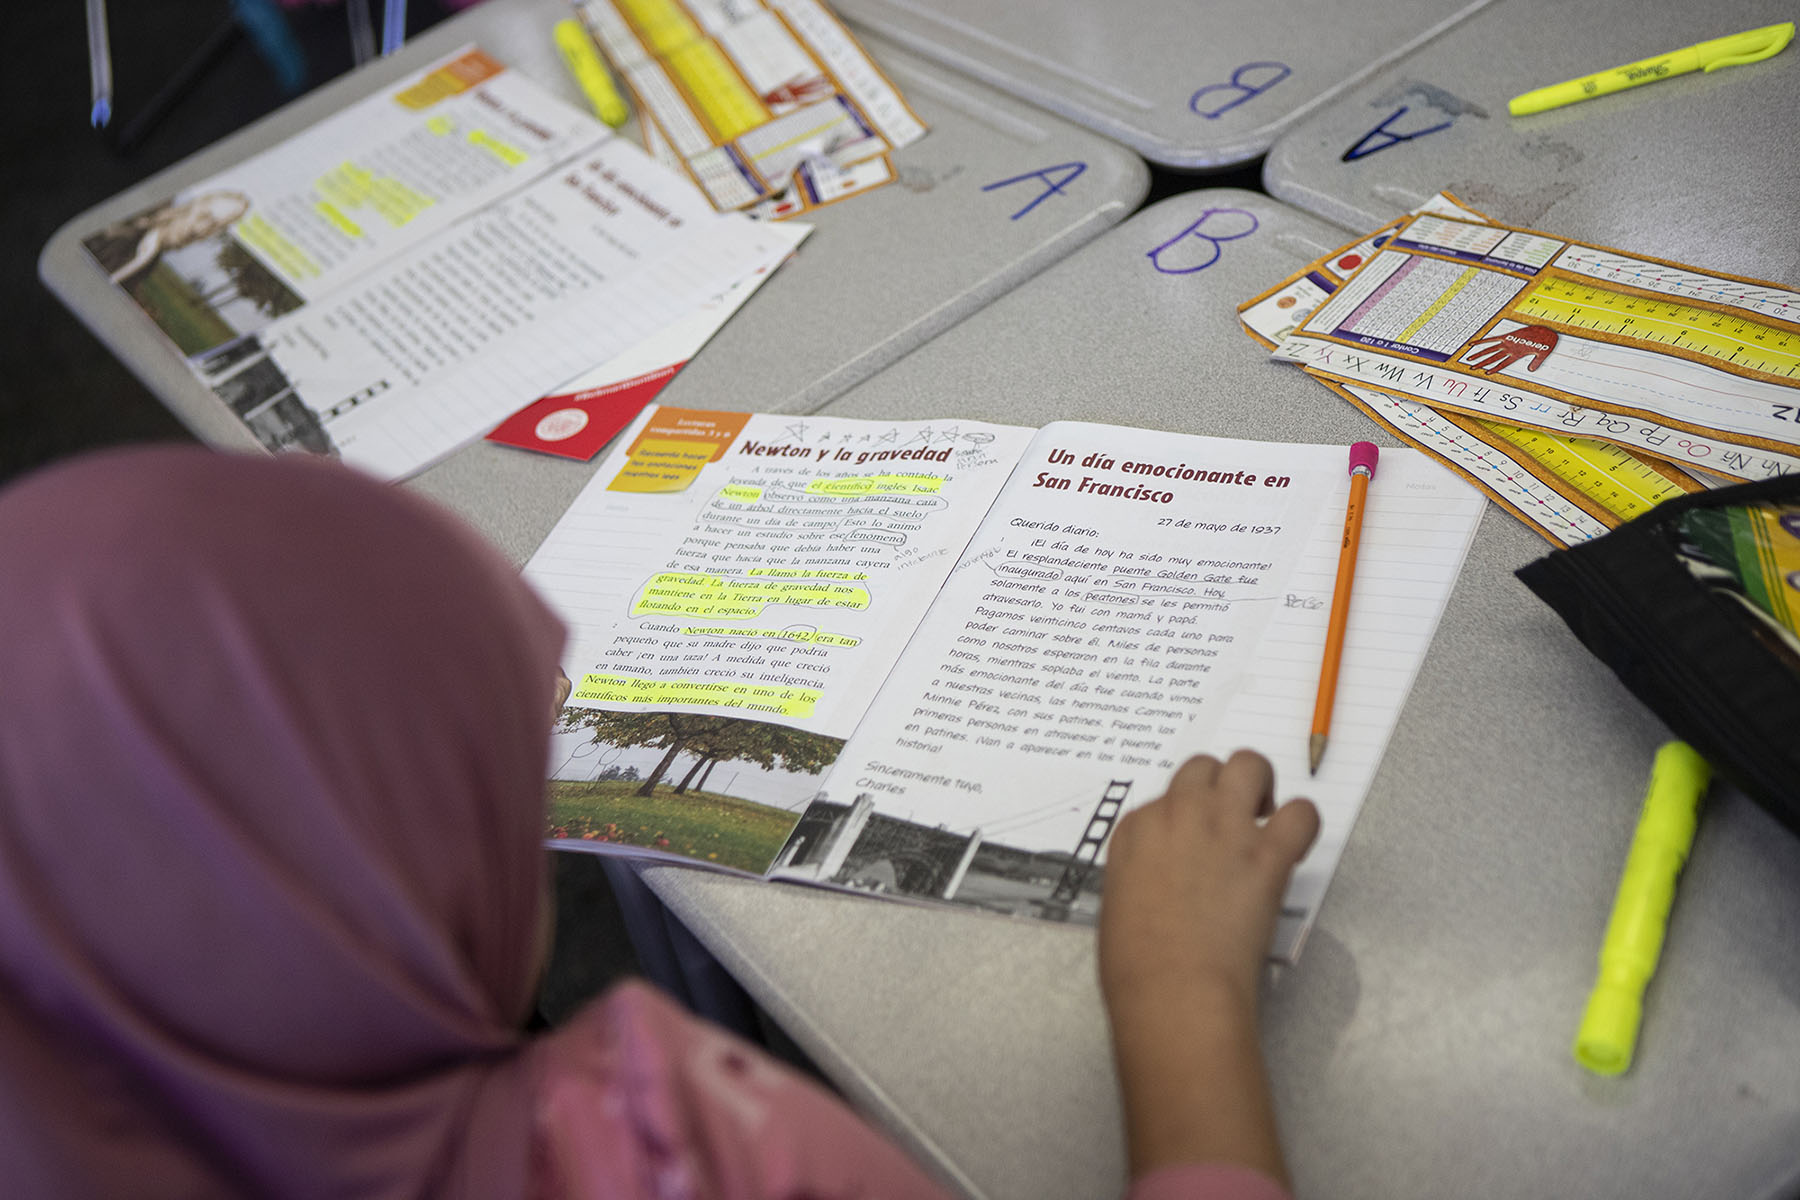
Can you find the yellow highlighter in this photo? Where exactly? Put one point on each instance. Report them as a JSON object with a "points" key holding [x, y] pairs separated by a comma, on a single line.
{"points": [[590, 73], [1753, 46], [1640, 915]]}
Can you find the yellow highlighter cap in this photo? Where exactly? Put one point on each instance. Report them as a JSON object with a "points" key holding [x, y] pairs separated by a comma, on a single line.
{"points": [[1609, 1029], [1640, 913], [1753, 46]]}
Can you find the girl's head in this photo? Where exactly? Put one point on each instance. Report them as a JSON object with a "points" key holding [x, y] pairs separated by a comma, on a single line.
{"points": [[272, 747]]}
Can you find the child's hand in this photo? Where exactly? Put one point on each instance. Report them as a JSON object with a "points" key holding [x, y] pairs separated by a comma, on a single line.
{"points": [[1194, 883], [1193, 888]]}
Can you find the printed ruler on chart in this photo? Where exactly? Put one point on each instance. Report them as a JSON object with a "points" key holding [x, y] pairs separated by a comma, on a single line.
{"points": [[770, 103], [1578, 340], [1731, 339], [1621, 483], [1568, 489]]}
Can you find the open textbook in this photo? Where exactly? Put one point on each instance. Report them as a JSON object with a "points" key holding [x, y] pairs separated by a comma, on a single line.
{"points": [[393, 281], [938, 659]]}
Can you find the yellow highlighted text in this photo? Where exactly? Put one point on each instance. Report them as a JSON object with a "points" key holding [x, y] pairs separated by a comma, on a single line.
{"points": [[511, 155], [681, 593], [616, 689], [810, 636], [335, 215], [877, 485], [662, 465], [256, 232]]}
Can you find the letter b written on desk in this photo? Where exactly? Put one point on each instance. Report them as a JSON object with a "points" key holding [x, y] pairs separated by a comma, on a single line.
{"points": [[1247, 83], [1198, 246]]}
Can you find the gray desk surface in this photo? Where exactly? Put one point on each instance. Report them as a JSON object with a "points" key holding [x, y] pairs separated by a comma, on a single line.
{"points": [[1191, 86], [1702, 168], [1421, 1046], [880, 274]]}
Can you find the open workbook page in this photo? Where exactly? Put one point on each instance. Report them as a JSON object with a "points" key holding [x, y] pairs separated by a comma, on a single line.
{"points": [[736, 589], [938, 660], [1133, 598]]}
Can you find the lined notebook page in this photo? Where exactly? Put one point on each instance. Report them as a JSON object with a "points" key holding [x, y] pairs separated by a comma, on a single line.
{"points": [[1134, 598], [1416, 531]]}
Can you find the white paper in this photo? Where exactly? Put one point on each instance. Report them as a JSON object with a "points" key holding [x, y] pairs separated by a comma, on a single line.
{"points": [[1087, 640], [396, 174], [432, 349]]}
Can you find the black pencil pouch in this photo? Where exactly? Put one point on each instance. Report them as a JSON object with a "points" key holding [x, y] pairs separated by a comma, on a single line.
{"points": [[1695, 605]]}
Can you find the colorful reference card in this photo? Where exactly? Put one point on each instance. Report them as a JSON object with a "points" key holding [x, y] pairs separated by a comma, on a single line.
{"points": [[937, 659], [1554, 463], [1701, 369], [769, 104]]}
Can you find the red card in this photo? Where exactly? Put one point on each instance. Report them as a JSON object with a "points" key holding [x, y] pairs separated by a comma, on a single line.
{"points": [[578, 424]]}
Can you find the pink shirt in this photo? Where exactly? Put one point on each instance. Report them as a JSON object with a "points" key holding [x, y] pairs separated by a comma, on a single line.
{"points": [[635, 1099]]}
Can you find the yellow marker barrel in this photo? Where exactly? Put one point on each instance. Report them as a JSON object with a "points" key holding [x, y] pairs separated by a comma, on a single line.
{"points": [[1750, 46], [589, 72], [1640, 915]]}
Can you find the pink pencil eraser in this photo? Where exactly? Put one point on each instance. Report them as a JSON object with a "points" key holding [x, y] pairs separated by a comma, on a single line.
{"points": [[1364, 454]]}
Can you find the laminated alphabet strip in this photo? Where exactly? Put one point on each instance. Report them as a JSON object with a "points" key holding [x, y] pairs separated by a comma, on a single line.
{"points": [[1568, 489]]}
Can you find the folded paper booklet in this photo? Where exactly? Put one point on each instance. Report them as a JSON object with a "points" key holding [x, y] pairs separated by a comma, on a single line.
{"points": [[937, 660]]}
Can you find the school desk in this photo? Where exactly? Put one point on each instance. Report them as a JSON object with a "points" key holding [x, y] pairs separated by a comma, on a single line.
{"points": [[994, 193], [1190, 86], [1420, 1048], [1701, 168]]}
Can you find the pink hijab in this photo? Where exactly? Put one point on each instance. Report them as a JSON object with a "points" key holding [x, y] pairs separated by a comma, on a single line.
{"points": [[272, 745]]}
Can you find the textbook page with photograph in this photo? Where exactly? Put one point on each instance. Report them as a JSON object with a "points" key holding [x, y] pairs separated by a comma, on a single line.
{"points": [[435, 348], [396, 280], [1128, 598], [260, 239]]}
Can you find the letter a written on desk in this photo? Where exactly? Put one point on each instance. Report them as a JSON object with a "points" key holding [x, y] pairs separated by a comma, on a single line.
{"points": [[1053, 186], [1368, 144]]}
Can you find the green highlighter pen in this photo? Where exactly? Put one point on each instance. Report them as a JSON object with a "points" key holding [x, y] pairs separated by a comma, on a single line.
{"points": [[1640, 915]]}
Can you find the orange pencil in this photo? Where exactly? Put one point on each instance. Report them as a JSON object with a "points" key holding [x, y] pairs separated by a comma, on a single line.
{"points": [[1362, 469]]}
